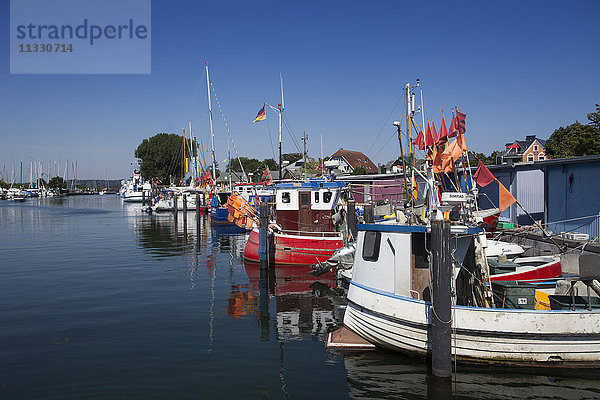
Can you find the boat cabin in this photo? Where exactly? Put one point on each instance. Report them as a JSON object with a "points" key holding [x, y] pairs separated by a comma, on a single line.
{"points": [[307, 206]]}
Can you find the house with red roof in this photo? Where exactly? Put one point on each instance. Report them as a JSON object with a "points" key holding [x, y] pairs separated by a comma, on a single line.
{"points": [[344, 162]]}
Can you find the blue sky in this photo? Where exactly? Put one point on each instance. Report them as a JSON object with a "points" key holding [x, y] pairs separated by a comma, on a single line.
{"points": [[516, 68]]}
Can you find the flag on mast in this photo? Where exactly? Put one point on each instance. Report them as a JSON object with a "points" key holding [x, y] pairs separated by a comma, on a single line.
{"points": [[453, 128], [266, 176], [420, 141], [483, 176], [460, 122], [443, 136], [262, 115]]}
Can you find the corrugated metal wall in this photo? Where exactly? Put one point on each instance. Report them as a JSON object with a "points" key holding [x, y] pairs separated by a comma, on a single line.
{"points": [[530, 193]]}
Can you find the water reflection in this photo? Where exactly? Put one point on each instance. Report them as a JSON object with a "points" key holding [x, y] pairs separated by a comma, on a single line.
{"points": [[385, 375], [304, 305]]}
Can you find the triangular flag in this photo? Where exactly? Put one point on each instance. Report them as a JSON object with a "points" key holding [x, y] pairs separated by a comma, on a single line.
{"points": [[420, 141], [460, 122], [443, 136], [447, 158], [462, 143], [437, 165], [453, 128], [430, 135], [483, 176], [505, 198]]}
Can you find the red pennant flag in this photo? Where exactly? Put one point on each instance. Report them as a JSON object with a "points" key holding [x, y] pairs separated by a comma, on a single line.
{"points": [[460, 122], [433, 134], [453, 128], [420, 141], [429, 141], [483, 176], [443, 136], [266, 176]]}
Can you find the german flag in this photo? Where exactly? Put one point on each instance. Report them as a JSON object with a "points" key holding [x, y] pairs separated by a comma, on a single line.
{"points": [[262, 115]]}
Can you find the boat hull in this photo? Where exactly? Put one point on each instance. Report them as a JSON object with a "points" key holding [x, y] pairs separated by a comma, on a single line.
{"points": [[541, 273], [481, 335], [295, 249], [219, 215]]}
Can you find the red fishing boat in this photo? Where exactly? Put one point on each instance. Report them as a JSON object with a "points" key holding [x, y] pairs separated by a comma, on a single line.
{"points": [[304, 229]]}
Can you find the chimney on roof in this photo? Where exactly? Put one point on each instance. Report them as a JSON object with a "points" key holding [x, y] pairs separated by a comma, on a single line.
{"points": [[530, 137]]}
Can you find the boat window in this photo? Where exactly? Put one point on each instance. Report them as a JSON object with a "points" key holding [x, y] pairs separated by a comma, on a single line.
{"points": [[371, 246], [285, 197], [304, 199], [327, 197], [316, 197]]}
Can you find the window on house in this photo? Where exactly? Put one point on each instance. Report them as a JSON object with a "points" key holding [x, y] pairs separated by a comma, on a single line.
{"points": [[285, 197], [535, 147], [530, 157], [371, 246], [541, 157]]}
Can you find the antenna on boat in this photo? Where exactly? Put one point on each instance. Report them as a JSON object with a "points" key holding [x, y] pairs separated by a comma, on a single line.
{"points": [[281, 107], [279, 110], [410, 113], [212, 134]]}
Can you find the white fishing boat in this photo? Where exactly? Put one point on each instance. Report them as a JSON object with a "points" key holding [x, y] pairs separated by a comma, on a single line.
{"points": [[389, 296]]}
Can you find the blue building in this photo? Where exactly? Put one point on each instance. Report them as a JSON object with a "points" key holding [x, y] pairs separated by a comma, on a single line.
{"points": [[564, 193]]}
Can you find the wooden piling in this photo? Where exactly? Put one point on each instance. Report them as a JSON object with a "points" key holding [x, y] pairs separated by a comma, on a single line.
{"points": [[197, 210], [369, 214], [262, 234], [175, 205], [351, 218], [441, 308]]}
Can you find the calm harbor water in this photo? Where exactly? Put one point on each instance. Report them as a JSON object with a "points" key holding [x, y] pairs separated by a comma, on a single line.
{"points": [[100, 301]]}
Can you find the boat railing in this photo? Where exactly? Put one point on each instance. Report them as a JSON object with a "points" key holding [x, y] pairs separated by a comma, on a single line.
{"points": [[318, 234]]}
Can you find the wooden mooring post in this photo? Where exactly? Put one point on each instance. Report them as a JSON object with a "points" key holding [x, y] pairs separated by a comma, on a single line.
{"points": [[175, 206], [351, 218], [263, 248], [441, 308], [197, 211], [369, 214]]}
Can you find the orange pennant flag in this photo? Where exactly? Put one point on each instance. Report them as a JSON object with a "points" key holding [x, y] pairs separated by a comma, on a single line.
{"points": [[462, 143], [505, 198], [437, 165]]}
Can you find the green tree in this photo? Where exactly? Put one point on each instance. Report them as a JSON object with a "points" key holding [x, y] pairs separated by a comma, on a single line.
{"points": [[492, 159], [57, 182], [574, 140], [161, 157], [253, 166], [594, 118], [291, 157], [359, 171]]}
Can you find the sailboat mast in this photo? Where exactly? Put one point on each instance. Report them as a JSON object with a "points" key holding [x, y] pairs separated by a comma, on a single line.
{"points": [[183, 160], [281, 108], [212, 134]]}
